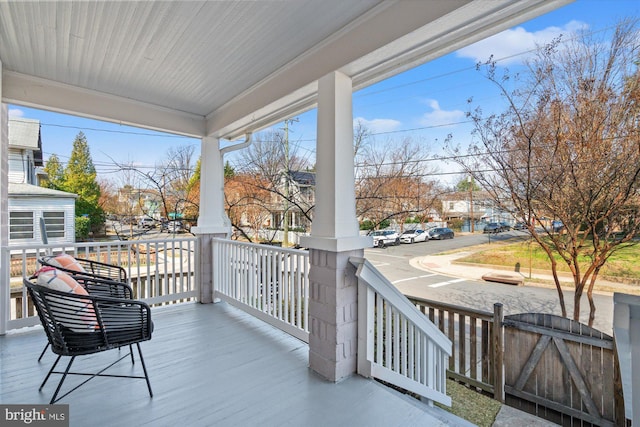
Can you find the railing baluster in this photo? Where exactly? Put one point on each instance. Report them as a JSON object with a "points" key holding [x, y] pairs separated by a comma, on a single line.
{"points": [[272, 281], [410, 361], [145, 270], [395, 339]]}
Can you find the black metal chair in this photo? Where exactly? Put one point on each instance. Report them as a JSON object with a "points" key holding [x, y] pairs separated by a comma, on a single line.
{"points": [[98, 279], [78, 325], [90, 267]]}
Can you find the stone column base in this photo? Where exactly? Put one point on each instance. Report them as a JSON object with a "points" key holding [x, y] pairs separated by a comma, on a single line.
{"points": [[204, 266], [333, 314]]}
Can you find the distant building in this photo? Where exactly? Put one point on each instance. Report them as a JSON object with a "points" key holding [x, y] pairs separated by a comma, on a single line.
{"points": [[140, 202], [479, 206], [302, 196], [28, 202]]}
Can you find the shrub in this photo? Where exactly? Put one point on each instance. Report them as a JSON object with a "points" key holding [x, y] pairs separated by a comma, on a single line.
{"points": [[83, 225]]}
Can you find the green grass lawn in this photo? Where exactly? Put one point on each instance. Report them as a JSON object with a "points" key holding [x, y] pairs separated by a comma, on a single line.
{"points": [[471, 405], [624, 263]]}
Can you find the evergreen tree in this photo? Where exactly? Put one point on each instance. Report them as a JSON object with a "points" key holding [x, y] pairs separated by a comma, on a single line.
{"points": [[464, 185], [195, 178], [229, 172], [80, 178], [55, 173]]}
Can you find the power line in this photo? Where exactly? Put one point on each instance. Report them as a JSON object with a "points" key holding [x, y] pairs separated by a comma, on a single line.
{"points": [[83, 128]]}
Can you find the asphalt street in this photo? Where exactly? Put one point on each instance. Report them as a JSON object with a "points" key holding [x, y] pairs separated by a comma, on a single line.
{"points": [[395, 262]]}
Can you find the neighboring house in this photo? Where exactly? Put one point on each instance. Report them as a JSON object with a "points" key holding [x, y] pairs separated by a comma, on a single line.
{"points": [[28, 202], [458, 205], [302, 196], [140, 202]]}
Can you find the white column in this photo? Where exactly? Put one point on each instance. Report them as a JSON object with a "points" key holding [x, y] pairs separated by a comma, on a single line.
{"points": [[333, 295], [212, 219], [335, 225], [4, 213]]}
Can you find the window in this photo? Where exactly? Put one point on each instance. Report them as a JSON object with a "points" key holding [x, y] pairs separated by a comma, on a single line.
{"points": [[20, 225], [54, 223]]}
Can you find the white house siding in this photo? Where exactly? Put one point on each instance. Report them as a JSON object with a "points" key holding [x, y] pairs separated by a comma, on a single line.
{"points": [[39, 205], [18, 166]]}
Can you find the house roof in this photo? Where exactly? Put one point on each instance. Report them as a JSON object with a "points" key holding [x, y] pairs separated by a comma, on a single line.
{"points": [[304, 178], [28, 190], [222, 68], [24, 134]]}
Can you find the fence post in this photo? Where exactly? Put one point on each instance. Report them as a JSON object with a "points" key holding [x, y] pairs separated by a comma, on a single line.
{"points": [[498, 352]]}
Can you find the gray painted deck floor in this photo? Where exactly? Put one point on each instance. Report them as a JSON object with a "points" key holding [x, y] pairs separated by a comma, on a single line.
{"points": [[210, 365]]}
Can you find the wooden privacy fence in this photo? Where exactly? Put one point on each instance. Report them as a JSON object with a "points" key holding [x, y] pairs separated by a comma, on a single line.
{"points": [[562, 370], [547, 365], [476, 342]]}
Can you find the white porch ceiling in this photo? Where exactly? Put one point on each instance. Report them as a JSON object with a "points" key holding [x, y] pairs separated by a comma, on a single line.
{"points": [[224, 67]]}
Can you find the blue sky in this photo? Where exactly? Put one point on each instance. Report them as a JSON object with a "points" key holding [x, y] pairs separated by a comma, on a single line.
{"points": [[423, 104]]}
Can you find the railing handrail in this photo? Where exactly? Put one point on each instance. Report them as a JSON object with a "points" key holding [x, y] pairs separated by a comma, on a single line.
{"points": [[465, 311], [66, 245], [259, 245], [380, 284], [396, 342]]}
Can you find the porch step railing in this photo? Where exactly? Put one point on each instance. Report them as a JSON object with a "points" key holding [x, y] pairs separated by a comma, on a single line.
{"points": [[160, 271], [268, 282], [396, 342]]}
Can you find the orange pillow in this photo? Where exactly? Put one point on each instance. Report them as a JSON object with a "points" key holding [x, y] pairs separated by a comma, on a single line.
{"points": [[66, 261], [58, 280]]}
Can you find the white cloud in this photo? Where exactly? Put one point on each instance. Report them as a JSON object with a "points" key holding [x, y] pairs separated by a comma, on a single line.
{"points": [[440, 117], [513, 43], [14, 112], [377, 125]]}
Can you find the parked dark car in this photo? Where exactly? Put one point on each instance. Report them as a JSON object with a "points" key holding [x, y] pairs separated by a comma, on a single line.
{"points": [[520, 226], [557, 226], [492, 227], [505, 226], [441, 233]]}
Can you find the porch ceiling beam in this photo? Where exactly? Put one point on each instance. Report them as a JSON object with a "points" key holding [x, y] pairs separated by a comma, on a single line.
{"points": [[35, 92]]}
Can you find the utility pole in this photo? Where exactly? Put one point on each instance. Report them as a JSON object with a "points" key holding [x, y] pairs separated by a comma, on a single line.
{"points": [[471, 221], [285, 219]]}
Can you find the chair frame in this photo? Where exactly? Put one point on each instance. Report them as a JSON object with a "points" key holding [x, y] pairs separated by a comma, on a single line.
{"points": [[98, 279], [92, 268], [115, 323]]}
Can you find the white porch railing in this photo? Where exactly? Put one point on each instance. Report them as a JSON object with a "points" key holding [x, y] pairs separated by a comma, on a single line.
{"points": [[396, 342], [268, 282], [159, 271]]}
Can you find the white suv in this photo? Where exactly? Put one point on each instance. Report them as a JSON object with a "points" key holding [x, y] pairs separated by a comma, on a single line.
{"points": [[146, 222], [385, 237]]}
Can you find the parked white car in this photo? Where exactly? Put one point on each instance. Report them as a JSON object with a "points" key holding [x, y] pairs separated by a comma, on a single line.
{"points": [[413, 236], [146, 222], [385, 237]]}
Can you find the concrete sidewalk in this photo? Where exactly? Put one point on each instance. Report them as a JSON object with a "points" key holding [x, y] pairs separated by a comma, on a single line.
{"points": [[448, 265], [512, 417]]}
